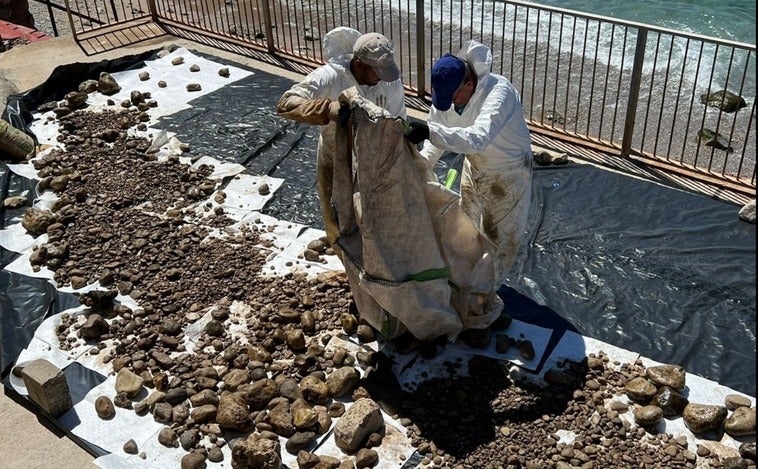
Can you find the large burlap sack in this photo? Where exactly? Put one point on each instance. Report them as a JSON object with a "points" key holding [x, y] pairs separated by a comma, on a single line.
{"points": [[14, 143], [413, 260]]}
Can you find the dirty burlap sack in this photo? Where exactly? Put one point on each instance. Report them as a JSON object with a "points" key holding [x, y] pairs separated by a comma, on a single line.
{"points": [[413, 259], [14, 143]]}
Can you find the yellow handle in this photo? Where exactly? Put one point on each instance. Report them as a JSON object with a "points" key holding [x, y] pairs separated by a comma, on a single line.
{"points": [[452, 173]]}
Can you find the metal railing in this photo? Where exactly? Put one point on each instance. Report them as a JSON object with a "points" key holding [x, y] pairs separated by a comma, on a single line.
{"points": [[680, 102]]}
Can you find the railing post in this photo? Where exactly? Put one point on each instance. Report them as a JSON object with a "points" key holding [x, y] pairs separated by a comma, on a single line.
{"points": [[420, 50], [70, 20], [269, 28], [153, 11], [634, 92]]}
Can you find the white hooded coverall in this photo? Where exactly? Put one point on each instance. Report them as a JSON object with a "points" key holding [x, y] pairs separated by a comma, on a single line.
{"points": [[308, 102], [497, 171]]}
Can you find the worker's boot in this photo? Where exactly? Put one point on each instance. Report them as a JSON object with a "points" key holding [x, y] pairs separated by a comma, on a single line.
{"points": [[502, 322], [405, 343], [477, 338]]}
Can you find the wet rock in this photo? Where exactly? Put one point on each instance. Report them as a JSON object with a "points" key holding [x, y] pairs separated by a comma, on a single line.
{"points": [[701, 418], [306, 460], [673, 376], [640, 390], [315, 390], [741, 422], [723, 100], [733, 401], [349, 323], [671, 402], [648, 416]]}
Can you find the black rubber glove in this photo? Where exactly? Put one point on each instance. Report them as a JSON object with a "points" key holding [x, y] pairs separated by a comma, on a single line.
{"points": [[339, 112], [416, 132]]}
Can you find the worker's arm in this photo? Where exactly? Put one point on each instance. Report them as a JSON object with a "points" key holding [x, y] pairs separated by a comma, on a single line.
{"points": [[309, 101], [499, 107]]}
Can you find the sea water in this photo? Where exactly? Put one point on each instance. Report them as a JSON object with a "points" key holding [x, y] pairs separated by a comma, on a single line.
{"points": [[732, 20]]}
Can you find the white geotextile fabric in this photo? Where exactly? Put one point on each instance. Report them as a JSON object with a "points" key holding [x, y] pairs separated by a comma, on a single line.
{"points": [[414, 260]]}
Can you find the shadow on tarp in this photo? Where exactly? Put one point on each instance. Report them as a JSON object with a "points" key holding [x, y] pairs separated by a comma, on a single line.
{"points": [[658, 271]]}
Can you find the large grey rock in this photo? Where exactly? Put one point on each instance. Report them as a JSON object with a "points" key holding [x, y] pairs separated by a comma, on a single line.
{"points": [[362, 419], [47, 387]]}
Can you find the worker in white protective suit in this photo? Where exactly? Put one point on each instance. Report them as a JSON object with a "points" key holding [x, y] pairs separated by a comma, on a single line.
{"points": [[479, 114], [364, 61]]}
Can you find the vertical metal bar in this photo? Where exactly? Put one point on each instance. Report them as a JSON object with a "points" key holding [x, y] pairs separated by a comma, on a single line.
{"points": [[634, 92], [650, 93], [153, 11], [268, 26], [605, 86], [71, 21], [678, 96], [420, 49], [569, 74], [663, 97], [618, 84], [547, 60], [702, 122], [592, 79]]}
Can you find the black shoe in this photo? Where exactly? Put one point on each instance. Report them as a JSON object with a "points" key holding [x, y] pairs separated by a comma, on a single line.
{"points": [[406, 343], [502, 322], [477, 338]]}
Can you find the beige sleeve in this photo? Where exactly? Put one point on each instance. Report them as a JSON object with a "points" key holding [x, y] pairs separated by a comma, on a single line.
{"points": [[308, 111]]}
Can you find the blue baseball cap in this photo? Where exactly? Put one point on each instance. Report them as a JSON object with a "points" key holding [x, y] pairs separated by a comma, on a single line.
{"points": [[447, 75]]}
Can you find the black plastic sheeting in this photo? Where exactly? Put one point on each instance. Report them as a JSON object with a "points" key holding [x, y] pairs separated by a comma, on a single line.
{"points": [[661, 272]]}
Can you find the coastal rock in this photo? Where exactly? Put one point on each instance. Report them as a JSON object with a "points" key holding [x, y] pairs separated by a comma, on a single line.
{"points": [[701, 418], [671, 402], [233, 413], [361, 419], [256, 453], [741, 422], [723, 100], [640, 390], [673, 376], [104, 408]]}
